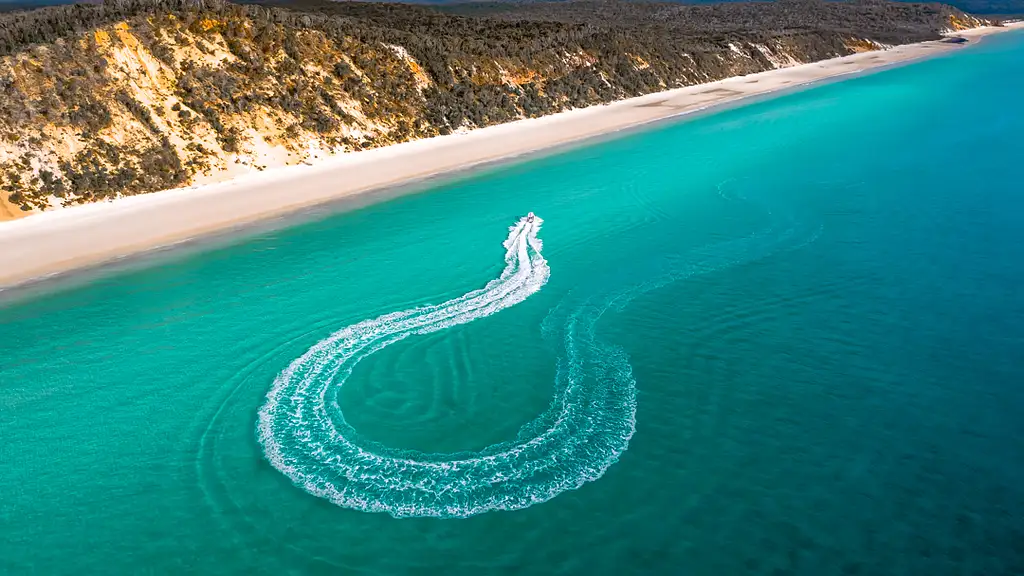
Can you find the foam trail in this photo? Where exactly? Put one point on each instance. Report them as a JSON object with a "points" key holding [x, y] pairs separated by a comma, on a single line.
{"points": [[587, 426], [303, 438]]}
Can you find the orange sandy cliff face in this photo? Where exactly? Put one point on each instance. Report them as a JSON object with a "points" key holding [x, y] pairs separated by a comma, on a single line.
{"points": [[956, 24], [860, 45], [9, 211]]}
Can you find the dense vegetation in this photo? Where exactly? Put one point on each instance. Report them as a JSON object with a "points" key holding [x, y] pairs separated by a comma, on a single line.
{"points": [[980, 7], [889, 22], [139, 95]]}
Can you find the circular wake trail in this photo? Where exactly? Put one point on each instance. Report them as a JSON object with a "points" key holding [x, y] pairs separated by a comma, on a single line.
{"points": [[587, 426], [310, 442]]}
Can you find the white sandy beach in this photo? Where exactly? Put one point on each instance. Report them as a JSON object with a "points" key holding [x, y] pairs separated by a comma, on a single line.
{"points": [[71, 238]]}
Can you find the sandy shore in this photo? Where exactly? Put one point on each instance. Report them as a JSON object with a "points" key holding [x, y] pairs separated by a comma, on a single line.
{"points": [[45, 244]]}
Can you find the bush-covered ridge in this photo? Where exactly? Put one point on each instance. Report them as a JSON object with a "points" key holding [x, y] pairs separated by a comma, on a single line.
{"points": [[140, 95]]}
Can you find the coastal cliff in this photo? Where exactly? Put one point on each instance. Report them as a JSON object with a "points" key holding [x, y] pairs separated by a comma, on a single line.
{"points": [[134, 96]]}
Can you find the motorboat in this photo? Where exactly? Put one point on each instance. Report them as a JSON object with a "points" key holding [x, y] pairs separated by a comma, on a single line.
{"points": [[530, 217]]}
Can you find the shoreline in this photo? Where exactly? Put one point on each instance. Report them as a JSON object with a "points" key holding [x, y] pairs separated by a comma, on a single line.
{"points": [[53, 244]]}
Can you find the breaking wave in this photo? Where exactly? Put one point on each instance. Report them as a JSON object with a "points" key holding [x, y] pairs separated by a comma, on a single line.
{"points": [[587, 426]]}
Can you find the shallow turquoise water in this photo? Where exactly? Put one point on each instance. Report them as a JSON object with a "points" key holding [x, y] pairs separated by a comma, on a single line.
{"points": [[816, 296]]}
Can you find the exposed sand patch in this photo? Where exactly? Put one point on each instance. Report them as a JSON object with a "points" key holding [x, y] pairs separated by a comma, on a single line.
{"points": [[9, 211]]}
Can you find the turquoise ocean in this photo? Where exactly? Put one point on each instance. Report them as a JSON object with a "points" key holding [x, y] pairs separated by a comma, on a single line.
{"points": [[785, 338]]}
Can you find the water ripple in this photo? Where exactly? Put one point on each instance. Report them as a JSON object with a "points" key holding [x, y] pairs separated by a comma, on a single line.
{"points": [[586, 428]]}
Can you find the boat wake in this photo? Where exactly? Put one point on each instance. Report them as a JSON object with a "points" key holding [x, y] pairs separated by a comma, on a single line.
{"points": [[585, 429], [315, 447]]}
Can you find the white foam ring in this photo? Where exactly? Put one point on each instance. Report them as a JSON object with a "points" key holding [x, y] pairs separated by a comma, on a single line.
{"points": [[584, 431]]}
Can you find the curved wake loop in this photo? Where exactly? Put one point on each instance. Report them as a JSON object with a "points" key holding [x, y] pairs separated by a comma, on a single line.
{"points": [[585, 429], [581, 434]]}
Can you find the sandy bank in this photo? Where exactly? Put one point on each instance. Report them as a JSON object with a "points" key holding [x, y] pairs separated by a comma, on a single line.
{"points": [[81, 236]]}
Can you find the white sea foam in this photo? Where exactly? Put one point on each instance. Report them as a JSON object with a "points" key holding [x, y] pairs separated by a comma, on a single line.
{"points": [[313, 445], [587, 426]]}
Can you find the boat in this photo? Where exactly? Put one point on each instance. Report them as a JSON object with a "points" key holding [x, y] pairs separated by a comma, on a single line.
{"points": [[530, 217]]}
